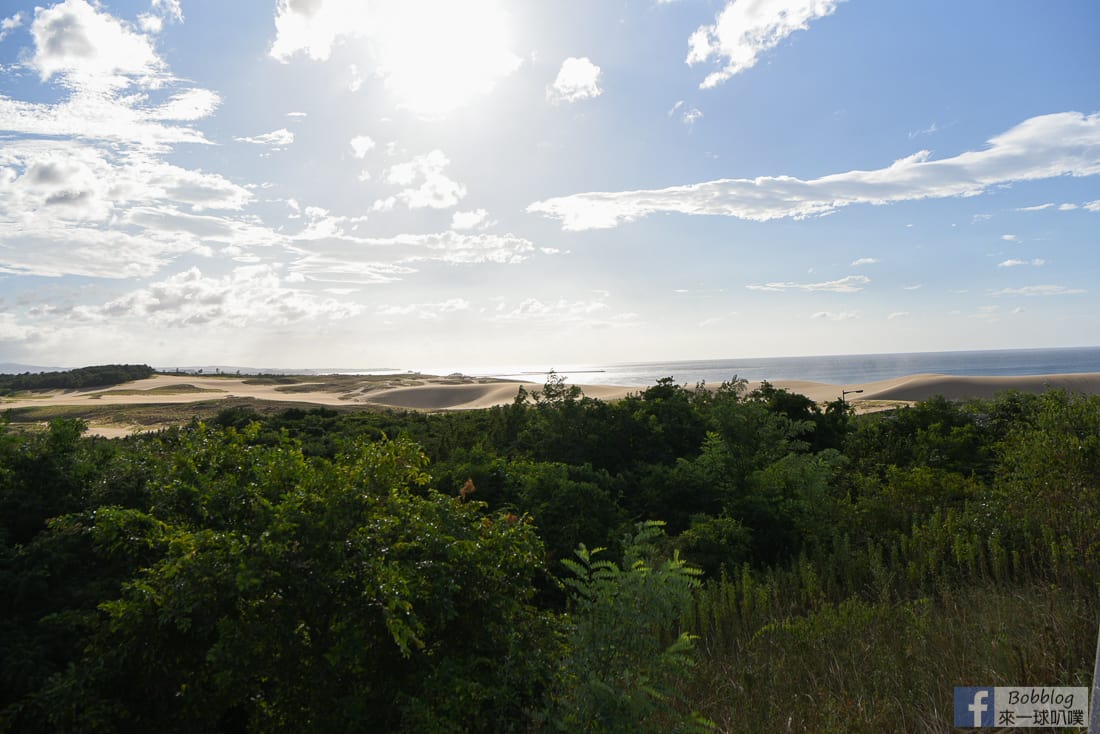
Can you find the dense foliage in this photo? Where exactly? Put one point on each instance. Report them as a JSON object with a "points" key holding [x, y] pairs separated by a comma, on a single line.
{"points": [[82, 377], [313, 571]]}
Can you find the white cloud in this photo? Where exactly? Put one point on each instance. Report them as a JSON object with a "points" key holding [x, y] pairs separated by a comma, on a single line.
{"points": [[426, 185], [1053, 145], [833, 316], [1066, 207], [476, 219], [914, 287], [84, 188], [1093, 206], [577, 79], [114, 85], [744, 29], [898, 315], [864, 261], [1016, 263], [88, 48], [1010, 238], [70, 208], [1039, 290], [297, 114], [1036, 208], [361, 145], [848, 284], [282, 136], [432, 55], [250, 294], [7, 25]]}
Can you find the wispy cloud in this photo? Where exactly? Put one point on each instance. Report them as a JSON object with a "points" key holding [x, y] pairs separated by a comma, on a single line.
{"points": [[835, 316], [340, 257], [588, 313], [931, 129], [281, 136], [743, 30], [898, 315], [1016, 263], [864, 261], [849, 284], [250, 294], [75, 209], [689, 116], [425, 311], [1059, 144], [1038, 290]]}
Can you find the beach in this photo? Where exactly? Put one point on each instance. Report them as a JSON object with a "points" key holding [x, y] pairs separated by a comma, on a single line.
{"points": [[429, 393]]}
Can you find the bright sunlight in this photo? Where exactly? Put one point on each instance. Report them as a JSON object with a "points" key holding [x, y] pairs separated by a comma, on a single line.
{"points": [[435, 56]]}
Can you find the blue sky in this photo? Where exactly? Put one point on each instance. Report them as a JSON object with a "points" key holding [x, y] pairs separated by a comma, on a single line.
{"points": [[348, 183]]}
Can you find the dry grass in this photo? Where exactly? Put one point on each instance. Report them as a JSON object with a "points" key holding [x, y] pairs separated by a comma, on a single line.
{"points": [[892, 666]]}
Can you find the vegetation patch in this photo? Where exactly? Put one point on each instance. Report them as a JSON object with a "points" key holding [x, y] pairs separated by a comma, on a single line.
{"points": [[274, 567], [184, 389]]}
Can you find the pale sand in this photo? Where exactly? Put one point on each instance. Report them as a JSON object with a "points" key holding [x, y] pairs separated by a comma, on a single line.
{"points": [[912, 388], [432, 395]]}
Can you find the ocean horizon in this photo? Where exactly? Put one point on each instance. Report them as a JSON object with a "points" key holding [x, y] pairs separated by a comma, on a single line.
{"points": [[831, 369]]}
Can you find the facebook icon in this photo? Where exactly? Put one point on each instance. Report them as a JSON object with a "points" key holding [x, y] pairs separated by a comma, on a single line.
{"points": [[973, 707]]}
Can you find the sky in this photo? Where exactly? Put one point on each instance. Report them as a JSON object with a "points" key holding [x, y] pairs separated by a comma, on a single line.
{"points": [[420, 184]]}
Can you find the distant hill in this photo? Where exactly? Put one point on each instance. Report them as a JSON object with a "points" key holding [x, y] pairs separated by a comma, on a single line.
{"points": [[14, 368], [82, 377]]}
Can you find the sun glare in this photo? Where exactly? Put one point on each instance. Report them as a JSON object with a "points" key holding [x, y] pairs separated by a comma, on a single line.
{"points": [[437, 56]]}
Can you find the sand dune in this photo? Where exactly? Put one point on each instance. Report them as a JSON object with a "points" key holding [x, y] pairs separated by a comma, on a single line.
{"points": [[920, 387], [445, 394], [466, 397]]}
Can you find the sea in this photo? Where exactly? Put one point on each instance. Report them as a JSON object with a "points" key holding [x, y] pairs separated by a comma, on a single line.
{"points": [[834, 369]]}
